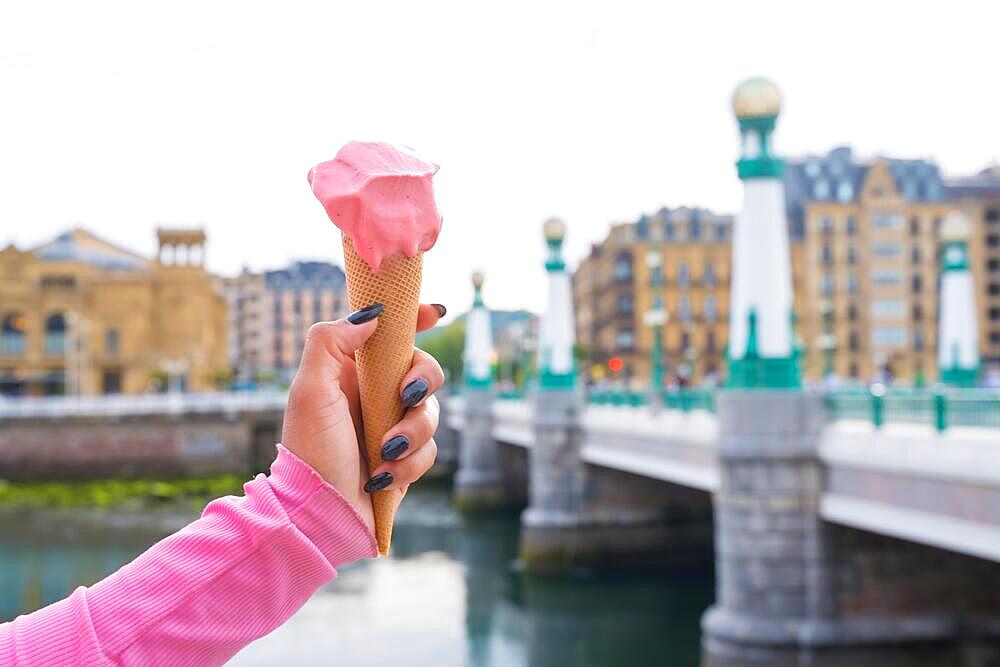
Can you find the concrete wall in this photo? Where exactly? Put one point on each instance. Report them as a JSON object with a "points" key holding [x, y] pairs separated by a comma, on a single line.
{"points": [[146, 446]]}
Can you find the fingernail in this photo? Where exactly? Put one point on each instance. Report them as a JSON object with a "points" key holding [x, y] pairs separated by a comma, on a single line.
{"points": [[442, 311], [378, 482], [394, 447], [366, 314], [414, 392]]}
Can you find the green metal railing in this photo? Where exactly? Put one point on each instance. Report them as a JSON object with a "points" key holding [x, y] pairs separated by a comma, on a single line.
{"points": [[942, 407], [678, 399]]}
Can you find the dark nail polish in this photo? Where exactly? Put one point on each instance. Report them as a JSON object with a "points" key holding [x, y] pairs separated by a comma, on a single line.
{"points": [[414, 392], [366, 314], [442, 311], [394, 447], [378, 482]]}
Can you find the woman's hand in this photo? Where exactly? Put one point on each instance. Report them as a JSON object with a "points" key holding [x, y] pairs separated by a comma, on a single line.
{"points": [[323, 417]]}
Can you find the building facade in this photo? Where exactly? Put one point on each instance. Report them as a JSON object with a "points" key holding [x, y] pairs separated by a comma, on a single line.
{"points": [[865, 244], [676, 260], [270, 313], [83, 316], [870, 235]]}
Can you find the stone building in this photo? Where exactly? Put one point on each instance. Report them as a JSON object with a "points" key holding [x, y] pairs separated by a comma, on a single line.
{"points": [[864, 251], [677, 260], [81, 315], [270, 313]]}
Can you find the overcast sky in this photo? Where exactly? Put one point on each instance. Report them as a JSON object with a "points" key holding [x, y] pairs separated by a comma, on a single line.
{"points": [[124, 116]]}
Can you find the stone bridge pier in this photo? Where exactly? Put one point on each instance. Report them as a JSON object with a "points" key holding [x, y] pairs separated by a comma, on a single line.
{"points": [[583, 517], [793, 589]]}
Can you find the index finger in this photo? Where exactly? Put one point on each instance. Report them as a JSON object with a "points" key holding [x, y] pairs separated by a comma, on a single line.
{"points": [[428, 315]]}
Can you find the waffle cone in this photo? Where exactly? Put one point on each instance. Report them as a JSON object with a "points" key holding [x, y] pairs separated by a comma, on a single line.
{"points": [[384, 359]]}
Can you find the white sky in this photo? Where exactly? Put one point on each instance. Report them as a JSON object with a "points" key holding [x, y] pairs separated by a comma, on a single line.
{"points": [[122, 116]]}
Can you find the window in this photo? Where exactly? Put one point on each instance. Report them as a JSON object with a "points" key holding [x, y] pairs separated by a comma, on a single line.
{"points": [[709, 308], [887, 221], [821, 189], [623, 267], [918, 340], [670, 231], [851, 225], [918, 312], [720, 232], [709, 275], [826, 255], [993, 240], [888, 308], [684, 308], [852, 255], [993, 265], [916, 284], [710, 341], [994, 289], [886, 277], [852, 312], [623, 304], [111, 382], [995, 313], [853, 342], [886, 250], [992, 215], [826, 225], [111, 341], [914, 255], [888, 336], [852, 370], [683, 275], [625, 340], [826, 283], [914, 226], [12, 338], [845, 191], [55, 334], [852, 283], [685, 340]]}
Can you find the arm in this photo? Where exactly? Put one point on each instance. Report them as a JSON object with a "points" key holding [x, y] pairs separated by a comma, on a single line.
{"points": [[200, 595]]}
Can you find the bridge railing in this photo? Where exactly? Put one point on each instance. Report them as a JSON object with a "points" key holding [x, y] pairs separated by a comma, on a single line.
{"points": [[942, 407], [140, 404], [684, 400]]}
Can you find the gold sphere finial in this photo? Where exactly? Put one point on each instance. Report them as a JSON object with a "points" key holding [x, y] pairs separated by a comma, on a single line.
{"points": [[477, 279], [554, 229], [956, 227], [756, 97]]}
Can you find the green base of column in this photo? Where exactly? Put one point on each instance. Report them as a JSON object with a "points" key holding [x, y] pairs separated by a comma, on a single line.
{"points": [[558, 381], [764, 373], [960, 377], [480, 384]]}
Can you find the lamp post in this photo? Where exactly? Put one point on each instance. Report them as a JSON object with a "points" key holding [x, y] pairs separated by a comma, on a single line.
{"points": [[655, 318]]}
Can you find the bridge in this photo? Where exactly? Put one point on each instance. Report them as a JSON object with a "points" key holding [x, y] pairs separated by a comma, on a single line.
{"points": [[853, 521]]}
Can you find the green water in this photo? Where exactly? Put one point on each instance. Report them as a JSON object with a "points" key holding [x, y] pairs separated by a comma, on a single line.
{"points": [[450, 595]]}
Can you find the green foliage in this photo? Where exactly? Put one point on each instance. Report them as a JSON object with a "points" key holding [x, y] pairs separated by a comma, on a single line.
{"points": [[112, 492], [446, 345]]}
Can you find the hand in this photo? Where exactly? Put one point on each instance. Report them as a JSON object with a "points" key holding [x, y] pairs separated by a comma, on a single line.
{"points": [[323, 417]]}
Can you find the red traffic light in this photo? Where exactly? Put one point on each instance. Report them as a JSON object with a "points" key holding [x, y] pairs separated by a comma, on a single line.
{"points": [[615, 364]]}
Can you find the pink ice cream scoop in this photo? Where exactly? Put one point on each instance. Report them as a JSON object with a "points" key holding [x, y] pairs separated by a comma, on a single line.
{"points": [[380, 195]]}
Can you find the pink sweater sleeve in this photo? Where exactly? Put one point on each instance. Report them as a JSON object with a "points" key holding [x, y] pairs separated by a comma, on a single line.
{"points": [[200, 595]]}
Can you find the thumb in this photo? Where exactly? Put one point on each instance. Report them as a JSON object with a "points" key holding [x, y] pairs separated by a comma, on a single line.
{"points": [[329, 344]]}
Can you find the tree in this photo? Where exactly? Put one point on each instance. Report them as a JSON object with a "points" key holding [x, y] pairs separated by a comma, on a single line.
{"points": [[447, 346]]}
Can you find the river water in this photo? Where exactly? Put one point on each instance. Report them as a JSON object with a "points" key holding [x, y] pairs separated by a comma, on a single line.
{"points": [[450, 595]]}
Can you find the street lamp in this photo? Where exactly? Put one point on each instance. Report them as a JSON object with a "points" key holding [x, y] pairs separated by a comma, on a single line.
{"points": [[655, 318], [827, 341]]}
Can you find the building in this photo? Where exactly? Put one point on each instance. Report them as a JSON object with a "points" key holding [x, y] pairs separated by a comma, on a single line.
{"points": [[675, 260], [870, 234], [865, 272], [81, 315], [270, 313]]}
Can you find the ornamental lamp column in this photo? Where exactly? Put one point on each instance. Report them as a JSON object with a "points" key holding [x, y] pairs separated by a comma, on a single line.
{"points": [[761, 350], [958, 345], [478, 481]]}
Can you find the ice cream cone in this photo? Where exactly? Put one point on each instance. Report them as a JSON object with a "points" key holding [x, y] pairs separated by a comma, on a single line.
{"points": [[384, 359]]}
